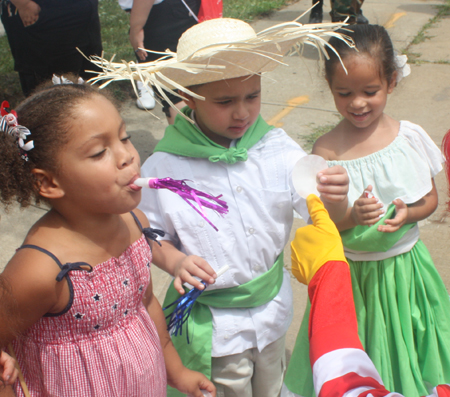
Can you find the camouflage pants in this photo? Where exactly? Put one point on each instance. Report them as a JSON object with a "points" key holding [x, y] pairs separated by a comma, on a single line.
{"points": [[340, 9]]}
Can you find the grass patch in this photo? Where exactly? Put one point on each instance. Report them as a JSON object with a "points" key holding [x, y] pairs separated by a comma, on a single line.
{"points": [[317, 131], [413, 57], [421, 35], [10, 89], [443, 10], [248, 10], [115, 25]]}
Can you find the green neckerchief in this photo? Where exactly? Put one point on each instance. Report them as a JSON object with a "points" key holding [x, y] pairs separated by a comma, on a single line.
{"points": [[368, 238], [185, 139], [197, 354]]}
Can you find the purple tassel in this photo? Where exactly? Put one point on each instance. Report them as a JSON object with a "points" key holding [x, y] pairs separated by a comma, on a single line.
{"points": [[188, 194]]}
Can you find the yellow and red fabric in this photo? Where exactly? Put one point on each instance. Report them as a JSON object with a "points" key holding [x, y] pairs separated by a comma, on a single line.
{"points": [[339, 363]]}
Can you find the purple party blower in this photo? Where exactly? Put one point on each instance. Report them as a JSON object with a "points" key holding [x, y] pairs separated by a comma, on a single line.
{"points": [[188, 194]]}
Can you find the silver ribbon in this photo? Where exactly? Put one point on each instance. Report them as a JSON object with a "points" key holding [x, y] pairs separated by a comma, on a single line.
{"points": [[9, 125]]}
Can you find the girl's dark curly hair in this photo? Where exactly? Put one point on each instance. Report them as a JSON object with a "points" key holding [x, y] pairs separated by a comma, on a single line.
{"points": [[47, 114], [371, 40]]}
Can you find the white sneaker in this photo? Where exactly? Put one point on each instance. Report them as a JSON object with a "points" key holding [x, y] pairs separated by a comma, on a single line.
{"points": [[146, 98]]}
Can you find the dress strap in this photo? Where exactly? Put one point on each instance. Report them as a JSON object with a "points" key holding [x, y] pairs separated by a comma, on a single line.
{"points": [[151, 234], [64, 273], [43, 250]]}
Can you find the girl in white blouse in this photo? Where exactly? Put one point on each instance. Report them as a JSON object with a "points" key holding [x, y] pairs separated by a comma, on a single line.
{"points": [[402, 305]]}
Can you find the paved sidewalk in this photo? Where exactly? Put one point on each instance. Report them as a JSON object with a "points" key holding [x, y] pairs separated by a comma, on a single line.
{"points": [[423, 98]]}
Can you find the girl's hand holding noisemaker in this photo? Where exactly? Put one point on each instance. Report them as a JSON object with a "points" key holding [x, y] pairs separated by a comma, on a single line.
{"points": [[367, 209]]}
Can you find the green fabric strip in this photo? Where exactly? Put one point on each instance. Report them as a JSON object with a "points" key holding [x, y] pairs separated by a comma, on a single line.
{"points": [[197, 354], [368, 238], [185, 139]]}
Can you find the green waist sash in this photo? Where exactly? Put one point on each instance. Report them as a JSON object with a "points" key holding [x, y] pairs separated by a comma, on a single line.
{"points": [[368, 238], [197, 354]]}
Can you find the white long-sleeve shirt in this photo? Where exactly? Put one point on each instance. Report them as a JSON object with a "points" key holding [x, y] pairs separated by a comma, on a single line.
{"points": [[261, 199]]}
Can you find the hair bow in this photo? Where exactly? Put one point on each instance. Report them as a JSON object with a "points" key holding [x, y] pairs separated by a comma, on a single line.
{"points": [[403, 68], [10, 125], [56, 80]]}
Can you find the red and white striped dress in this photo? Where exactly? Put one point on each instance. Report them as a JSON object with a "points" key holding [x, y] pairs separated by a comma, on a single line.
{"points": [[105, 344]]}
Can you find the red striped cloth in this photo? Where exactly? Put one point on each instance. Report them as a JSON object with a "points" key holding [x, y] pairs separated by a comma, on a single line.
{"points": [[340, 365], [106, 344]]}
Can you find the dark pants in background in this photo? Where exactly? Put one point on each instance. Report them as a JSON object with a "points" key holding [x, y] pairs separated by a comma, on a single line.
{"points": [[50, 45]]}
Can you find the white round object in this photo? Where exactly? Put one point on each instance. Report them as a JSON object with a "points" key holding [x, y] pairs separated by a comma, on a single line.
{"points": [[305, 173], [206, 393]]}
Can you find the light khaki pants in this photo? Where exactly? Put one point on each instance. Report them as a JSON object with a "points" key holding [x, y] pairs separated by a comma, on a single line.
{"points": [[251, 373]]}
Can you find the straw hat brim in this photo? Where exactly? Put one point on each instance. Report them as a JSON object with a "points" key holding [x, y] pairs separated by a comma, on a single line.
{"points": [[221, 57]]}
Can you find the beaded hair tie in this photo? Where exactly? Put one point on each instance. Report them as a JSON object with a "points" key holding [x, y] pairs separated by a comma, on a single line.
{"points": [[9, 125]]}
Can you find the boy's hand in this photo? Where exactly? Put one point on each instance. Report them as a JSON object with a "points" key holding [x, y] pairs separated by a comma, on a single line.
{"points": [[401, 214], [332, 184], [192, 383], [8, 370], [193, 266], [367, 211], [316, 244]]}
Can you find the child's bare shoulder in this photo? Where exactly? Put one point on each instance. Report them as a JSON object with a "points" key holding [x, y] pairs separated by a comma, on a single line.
{"points": [[142, 218], [32, 276], [32, 271], [326, 145], [48, 232]]}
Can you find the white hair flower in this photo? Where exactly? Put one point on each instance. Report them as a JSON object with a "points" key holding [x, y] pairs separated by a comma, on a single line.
{"points": [[402, 66]]}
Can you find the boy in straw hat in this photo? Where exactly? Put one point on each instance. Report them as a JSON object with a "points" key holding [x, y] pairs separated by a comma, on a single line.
{"points": [[222, 145]]}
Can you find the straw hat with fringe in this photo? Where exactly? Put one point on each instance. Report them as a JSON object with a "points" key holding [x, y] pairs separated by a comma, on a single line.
{"points": [[219, 49]]}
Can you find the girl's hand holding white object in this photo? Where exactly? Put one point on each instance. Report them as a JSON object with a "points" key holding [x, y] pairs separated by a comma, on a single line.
{"points": [[333, 184]]}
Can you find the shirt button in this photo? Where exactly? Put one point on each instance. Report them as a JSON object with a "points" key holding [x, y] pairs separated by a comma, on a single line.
{"points": [[226, 337], [201, 224], [257, 268], [251, 231], [239, 189]]}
